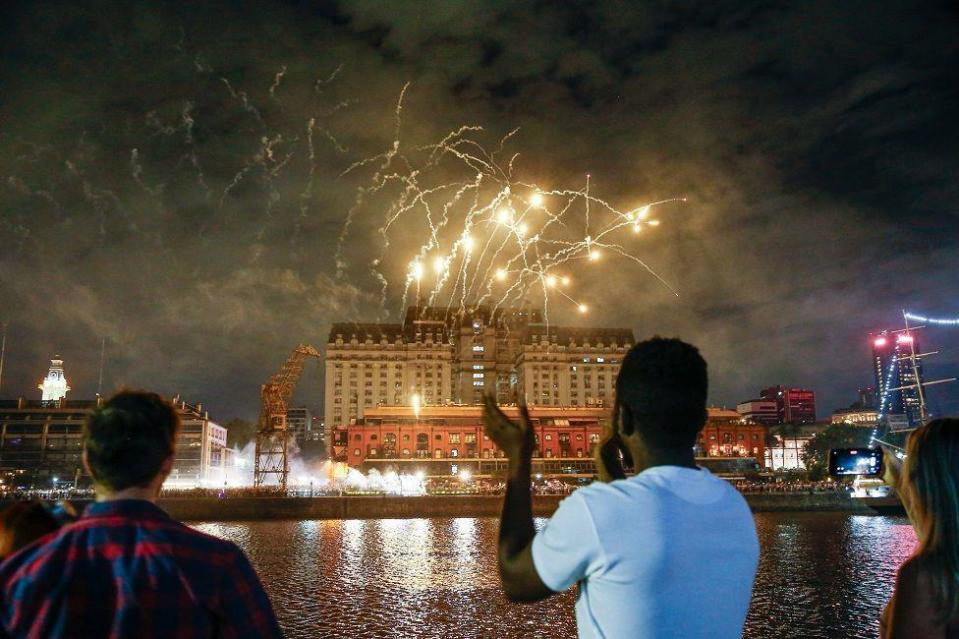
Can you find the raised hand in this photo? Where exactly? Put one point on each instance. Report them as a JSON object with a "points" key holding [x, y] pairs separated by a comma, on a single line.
{"points": [[515, 439]]}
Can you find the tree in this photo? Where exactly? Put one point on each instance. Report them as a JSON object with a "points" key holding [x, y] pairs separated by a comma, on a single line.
{"points": [[239, 432], [816, 455]]}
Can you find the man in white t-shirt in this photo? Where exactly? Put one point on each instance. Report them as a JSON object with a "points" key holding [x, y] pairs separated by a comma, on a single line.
{"points": [[669, 552]]}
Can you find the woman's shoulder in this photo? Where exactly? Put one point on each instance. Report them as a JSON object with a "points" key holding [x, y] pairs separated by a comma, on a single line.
{"points": [[916, 571]]}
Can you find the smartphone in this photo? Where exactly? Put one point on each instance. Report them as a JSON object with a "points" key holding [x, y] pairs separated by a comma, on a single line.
{"points": [[846, 462]]}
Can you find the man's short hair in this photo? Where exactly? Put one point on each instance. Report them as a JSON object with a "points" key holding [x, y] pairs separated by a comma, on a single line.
{"points": [[661, 390], [128, 439]]}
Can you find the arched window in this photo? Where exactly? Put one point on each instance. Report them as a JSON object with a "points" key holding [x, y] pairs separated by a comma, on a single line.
{"points": [[454, 452], [438, 453], [356, 452]]}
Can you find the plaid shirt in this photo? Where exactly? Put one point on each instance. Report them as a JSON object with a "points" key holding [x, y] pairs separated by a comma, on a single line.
{"points": [[126, 569]]}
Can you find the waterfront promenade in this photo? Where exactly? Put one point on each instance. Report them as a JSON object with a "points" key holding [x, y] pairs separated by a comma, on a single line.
{"points": [[227, 508]]}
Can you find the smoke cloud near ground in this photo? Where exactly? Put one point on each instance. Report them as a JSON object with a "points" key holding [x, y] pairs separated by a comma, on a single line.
{"points": [[171, 179]]}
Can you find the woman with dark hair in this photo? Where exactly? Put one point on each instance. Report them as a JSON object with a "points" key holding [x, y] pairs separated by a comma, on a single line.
{"points": [[23, 523], [925, 603]]}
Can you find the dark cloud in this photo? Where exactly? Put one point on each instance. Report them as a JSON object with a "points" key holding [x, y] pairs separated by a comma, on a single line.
{"points": [[156, 184]]}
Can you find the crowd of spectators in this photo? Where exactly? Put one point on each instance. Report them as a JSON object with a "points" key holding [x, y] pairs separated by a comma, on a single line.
{"points": [[430, 486]]}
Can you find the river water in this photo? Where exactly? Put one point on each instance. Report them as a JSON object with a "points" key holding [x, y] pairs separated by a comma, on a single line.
{"points": [[820, 575]]}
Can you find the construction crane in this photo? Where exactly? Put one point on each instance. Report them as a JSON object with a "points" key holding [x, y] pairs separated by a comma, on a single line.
{"points": [[272, 437]]}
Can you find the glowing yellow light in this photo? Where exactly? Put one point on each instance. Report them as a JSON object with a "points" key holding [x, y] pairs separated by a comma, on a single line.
{"points": [[583, 308], [504, 216], [643, 212], [593, 255], [521, 230], [653, 222], [439, 264], [565, 280], [501, 274], [467, 242], [416, 270], [536, 199], [551, 280], [629, 216], [637, 228], [415, 403]]}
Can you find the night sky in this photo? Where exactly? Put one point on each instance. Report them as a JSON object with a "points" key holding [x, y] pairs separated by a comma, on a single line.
{"points": [[157, 189]]}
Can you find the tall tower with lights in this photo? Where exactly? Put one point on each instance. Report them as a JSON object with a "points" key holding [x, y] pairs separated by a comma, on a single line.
{"points": [[54, 386], [897, 379]]}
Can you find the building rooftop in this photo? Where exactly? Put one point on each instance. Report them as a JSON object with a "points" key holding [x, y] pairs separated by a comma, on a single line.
{"points": [[475, 410], [458, 410], [567, 335], [187, 411], [714, 412]]}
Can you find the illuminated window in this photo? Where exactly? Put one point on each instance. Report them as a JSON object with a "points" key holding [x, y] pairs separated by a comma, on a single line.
{"points": [[478, 348]]}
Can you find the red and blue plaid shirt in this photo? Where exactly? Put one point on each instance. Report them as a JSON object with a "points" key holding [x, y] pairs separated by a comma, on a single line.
{"points": [[126, 569]]}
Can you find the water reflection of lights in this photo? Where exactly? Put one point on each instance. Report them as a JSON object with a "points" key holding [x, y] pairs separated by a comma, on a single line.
{"points": [[406, 548], [353, 532], [464, 542]]}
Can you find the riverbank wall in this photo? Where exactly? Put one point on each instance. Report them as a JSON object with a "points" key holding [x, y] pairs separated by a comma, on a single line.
{"points": [[392, 507]]}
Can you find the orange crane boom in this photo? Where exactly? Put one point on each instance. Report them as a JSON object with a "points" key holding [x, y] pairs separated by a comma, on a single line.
{"points": [[272, 438]]}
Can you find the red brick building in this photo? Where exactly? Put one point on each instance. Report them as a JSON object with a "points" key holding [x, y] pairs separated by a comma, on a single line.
{"points": [[442, 440], [727, 434], [434, 438]]}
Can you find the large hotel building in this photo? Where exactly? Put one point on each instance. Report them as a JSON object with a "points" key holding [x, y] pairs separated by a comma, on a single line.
{"points": [[435, 359], [406, 394]]}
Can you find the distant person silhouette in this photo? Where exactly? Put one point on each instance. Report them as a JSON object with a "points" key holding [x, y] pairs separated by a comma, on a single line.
{"points": [[925, 603], [125, 568], [669, 552]]}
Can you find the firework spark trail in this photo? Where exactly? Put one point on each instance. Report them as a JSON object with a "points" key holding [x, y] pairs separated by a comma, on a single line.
{"points": [[320, 82], [244, 100], [277, 79], [377, 183], [186, 118], [136, 170], [499, 240]]}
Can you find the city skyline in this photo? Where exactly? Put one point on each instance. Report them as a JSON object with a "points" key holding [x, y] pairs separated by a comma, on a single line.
{"points": [[185, 201], [318, 402]]}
